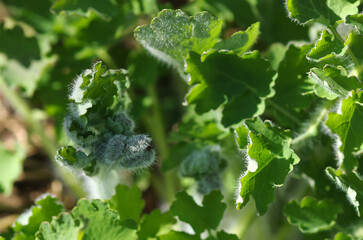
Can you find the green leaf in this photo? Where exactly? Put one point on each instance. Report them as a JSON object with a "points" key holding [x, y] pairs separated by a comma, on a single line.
{"points": [[201, 218], [88, 220], [241, 41], [60, 228], [355, 42], [348, 126], [270, 150], [105, 8], [154, 224], [11, 166], [356, 21], [98, 124], [201, 161], [335, 80], [28, 223], [351, 184], [275, 54], [342, 236], [311, 215], [173, 235], [247, 82], [172, 34], [127, 202], [326, 45], [222, 235], [292, 86], [12, 39], [26, 67], [321, 11]]}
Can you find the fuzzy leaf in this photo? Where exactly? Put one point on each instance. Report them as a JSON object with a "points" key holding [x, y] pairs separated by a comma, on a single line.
{"points": [[60, 228], [326, 45], [335, 80], [240, 84], [270, 149], [154, 223], [311, 215], [127, 202], [351, 184], [241, 41], [90, 220], [200, 218], [356, 21], [98, 124], [172, 34], [321, 11], [11, 166], [27, 225], [348, 126]]}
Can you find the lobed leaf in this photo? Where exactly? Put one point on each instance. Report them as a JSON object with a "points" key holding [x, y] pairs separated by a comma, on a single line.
{"points": [[351, 183], [241, 41], [201, 218], [321, 11], [335, 81], [88, 220], [127, 202], [311, 215], [292, 86], [28, 223], [355, 20], [270, 150], [348, 126], [154, 224], [326, 45], [172, 34], [239, 84]]}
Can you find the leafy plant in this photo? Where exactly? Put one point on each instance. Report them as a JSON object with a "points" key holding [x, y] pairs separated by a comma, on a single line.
{"points": [[275, 107]]}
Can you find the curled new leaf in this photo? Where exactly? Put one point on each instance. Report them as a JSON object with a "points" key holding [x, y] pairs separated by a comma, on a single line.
{"points": [[99, 127]]}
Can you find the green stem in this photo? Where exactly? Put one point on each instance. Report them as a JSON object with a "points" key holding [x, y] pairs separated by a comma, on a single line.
{"points": [[350, 52], [283, 111], [247, 223], [48, 144], [155, 124]]}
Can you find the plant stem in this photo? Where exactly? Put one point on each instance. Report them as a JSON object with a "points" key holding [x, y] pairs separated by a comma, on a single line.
{"points": [[247, 223], [283, 111], [155, 124]]}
